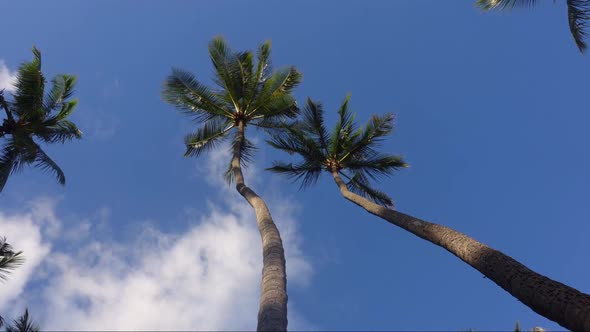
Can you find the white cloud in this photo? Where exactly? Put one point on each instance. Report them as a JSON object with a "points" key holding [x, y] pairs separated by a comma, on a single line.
{"points": [[207, 277], [7, 78]]}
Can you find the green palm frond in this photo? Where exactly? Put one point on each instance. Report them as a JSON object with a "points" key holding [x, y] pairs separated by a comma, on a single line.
{"points": [[61, 90], [30, 87], [307, 172], [247, 150], [279, 85], [340, 135], [9, 259], [207, 137], [47, 164], [313, 123], [578, 12], [359, 184], [504, 4], [185, 92], [23, 324], [376, 164]]}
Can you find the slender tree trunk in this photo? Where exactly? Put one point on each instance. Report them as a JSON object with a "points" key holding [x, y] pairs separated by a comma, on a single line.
{"points": [[272, 315], [565, 305]]}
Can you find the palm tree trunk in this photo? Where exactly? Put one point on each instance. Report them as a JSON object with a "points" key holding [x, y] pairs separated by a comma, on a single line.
{"points": [[272, 315], [549, 298]]}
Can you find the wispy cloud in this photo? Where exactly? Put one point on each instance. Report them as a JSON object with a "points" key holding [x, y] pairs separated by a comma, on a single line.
{"points": [[7, 78]]}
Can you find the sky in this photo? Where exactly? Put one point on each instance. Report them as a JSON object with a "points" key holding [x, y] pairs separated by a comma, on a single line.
{"points": [[490, 115]]}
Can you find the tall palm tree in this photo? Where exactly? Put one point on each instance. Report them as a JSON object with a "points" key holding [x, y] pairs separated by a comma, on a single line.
{"points": [[247, 94], [34, 115], [578, 13], [350, 153]]}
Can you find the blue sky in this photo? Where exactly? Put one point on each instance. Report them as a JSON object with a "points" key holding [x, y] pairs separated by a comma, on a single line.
{"points": [[490, 115]]}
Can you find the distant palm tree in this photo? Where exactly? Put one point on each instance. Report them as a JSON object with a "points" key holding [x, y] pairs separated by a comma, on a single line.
{"points": [[23, 324], [34, 115], [351, 153], [578, 13], [9, 260], [247, 94]]}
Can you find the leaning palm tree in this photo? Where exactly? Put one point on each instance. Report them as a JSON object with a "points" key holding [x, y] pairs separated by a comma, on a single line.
{"points": [[350, 156], [247, 94], [33, 115], [578, 13]]}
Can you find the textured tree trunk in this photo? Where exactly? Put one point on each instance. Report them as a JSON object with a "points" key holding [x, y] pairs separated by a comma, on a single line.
{"points": [[565, 305], [272, 314]]}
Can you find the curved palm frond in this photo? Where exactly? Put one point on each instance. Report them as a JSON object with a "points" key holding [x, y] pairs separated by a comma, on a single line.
{"points": [[61, 90], [307, 172], [359, 184], [578, 12], [274, 92], [504, 4], [313, 123], [45, 163], [9, 259], [376, 164], [185, 92], [207, 137], [30, 87]]}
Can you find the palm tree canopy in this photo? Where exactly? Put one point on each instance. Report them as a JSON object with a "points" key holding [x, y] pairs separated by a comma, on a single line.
{"points": [[9, 259], [347, 149], [247, 92], [35, 114], [578, 13]]}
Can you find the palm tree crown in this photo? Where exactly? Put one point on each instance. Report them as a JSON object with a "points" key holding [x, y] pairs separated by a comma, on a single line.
{"points": [[578, 13], [9, 259], [34, 115], [247, 93], [348, 150]]}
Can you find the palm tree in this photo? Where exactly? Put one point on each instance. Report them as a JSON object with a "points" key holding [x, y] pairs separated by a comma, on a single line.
{"points": [[9, 260], [350, 153], [34, 115], [247, 94], [578, 13], [23, 324]]}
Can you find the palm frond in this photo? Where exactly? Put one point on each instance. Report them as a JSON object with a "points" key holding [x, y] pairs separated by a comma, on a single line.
{"points": [[47, 164], [307, 172], [62, 89], [247, 150], [578, 12], [227, 69], [503, 4], [30, 86], [362, 146], [9, 259], [294, 141], [359, 184], [58, 131], [207, 137], [341, 132], [281, 82], [185, 92], [376, 164], [313, 123], [23, 324], [10, 161]]}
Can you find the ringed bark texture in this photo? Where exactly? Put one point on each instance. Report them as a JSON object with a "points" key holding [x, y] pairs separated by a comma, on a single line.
{"points": [[272, 314], [560, 303]]}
